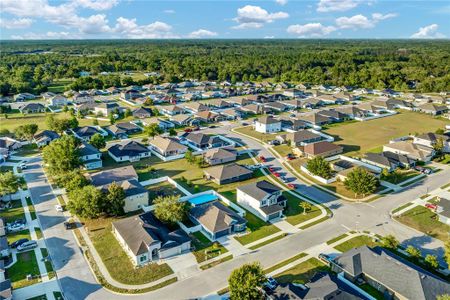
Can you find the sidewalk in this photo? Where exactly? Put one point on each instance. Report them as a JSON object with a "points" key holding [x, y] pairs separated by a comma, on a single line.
{"points": [[36, 290]]}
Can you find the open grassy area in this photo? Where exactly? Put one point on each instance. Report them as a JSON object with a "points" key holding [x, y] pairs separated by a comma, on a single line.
{"points": [[26, 264], [284, 262], [14, 236], [302, 272], [116, 260], [59, 85], [294, 213], [162, 189], [398, 176], [282, 150], [264, 137], [13, 213], [426, 221], [356, 242], [359, 138], [204, 248]]}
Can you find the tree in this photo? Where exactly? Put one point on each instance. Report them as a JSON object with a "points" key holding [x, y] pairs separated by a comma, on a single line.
{"points": [[115, 200], [86, 202], [319, 167], [153, 130], [112, 120], [245, 282], [26, 131], [440, 131], [443, 297], [61, 155], [447, 253], [439, 146], [390, 242], [9, 183], [432, 261], [169, 209], [72, 180], [361, 182], [155, 112], [306, 206], [413, 252], [200, 161], [127, 113], [172, 132], [189, 156], [98, 141]]}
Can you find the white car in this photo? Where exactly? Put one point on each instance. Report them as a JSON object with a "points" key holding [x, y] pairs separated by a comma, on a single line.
{"points": [[23, 166], [59, 208], [27, 246], [16, 227]]}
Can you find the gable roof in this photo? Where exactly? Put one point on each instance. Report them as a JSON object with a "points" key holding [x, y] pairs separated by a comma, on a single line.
{"points": [[109, 176], [167, 144], [301, 136], [259, 190], [219, 153], [321, 147], [143, 111], [128, 148], [87, 149], [223, 172], [46, 134], [86, 131], [433, 137], [268, 120], [215, 216]]}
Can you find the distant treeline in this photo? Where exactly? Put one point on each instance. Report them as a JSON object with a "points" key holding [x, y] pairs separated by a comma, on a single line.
{"points": [[31, 66]]}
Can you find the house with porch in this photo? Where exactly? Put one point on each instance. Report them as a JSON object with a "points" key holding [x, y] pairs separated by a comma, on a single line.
{"points": [[128, 151]]}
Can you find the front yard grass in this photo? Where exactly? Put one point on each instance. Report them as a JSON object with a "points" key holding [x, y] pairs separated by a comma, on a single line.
{"points": [[282, 150], [31, 208], [48, 264], [356, 242], [204, 248], [14, 236], [338, 238], [302, 272], [269, 241], [284, 262], [426, 221], [294, 213], [398, 176], [402, 207], [26, 264], [116, 260], [28, 150], [263, 137], [14, 213], [216, 262]]}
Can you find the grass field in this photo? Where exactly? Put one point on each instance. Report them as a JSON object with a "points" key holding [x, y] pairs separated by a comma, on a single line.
{"points": [[302, 272], [425, 220], [356, 242], [59, 85], [264, 137], [26, 264], [204, 248], [116, 260], [15, 212], [359, 138], [294, 212]]}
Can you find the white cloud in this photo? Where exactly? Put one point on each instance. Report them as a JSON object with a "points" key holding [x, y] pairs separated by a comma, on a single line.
{"points": [[310, 30], [96, 4], [129, 28], [269, 37], [46, 36], [37, 8], [361, 21], [281, 2], [336, 5], [91, 25], [201, 33], [169, 11], [251, 16], [15, 23], [428, 32]]}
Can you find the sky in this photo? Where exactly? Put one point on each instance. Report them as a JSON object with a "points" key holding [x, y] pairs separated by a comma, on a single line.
{"points": [[295, 19]]}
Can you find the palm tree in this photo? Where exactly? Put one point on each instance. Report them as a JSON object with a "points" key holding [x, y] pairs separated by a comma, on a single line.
{"points": [[306, 206]]}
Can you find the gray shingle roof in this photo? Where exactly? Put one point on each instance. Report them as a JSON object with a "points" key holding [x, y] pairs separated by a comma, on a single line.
{"points": [[224, 172], [259, 190], [117, 174], [130, 148]]}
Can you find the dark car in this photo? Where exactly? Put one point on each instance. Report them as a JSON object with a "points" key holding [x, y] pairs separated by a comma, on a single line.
{"points": [[18, 243], [70, 225]]}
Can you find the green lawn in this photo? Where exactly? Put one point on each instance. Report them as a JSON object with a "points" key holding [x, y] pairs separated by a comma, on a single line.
{"points": [[48, 264], [372, 291], [28, 150], [398, 176], [264, 137], [59, 85], [14, 213], [162, 189], [204, 248], [31, 208], [294, 213], [402, 207], [426, 221], [116, 260], [355, 140], [302, 272], [26, 264], [217, 262], [284, 262], [334, 240], [282, 150], [356, 242], [269, 241], [38, 233], [14, 236]]}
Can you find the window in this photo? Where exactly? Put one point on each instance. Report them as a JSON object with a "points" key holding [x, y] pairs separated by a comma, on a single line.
{"points": [[143, 258], [263, 202]]}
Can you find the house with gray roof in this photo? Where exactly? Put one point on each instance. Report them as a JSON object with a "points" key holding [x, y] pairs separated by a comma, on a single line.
{"points": [[86, 132], [146, 239], [218, 156], [142, 113], [216, 219], [32, 108], [430, 139], [128, 151], [267, 124], [224, 174], [433, 109], [204, 141], [44, 137], [123, 129], [167, 146], [262, 198], [443, 210], [90, 156], [6, 290], [390, 274], [136, 196], [302, 137]]}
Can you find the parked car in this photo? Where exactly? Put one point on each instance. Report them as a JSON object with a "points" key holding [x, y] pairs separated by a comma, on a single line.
{"points": [[16, 227], [325, 257], [262, 158], [188, 130], [59, 208], [27, 246], [274, 142], [291, 186], [213, 126], [284, 179], [431, 206], [271, 169], [290, 156], [276, 174], [244, 124], [70, 224], [271, 283], [23, 166], [18, 243]]}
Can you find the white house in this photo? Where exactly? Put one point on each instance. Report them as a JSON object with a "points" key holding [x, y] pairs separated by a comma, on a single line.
{"points": [[128, 151], [430, 139], [57, 100], [263, 199], [267, 124], [90, 156]]}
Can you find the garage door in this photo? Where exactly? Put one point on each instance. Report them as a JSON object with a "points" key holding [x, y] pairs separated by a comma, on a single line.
{"points": [[221, 233], [169, 252], [274, 216]]}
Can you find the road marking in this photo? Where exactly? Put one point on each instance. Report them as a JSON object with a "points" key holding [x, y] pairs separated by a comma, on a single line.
{"points": [[349, 229], [370, 205]]}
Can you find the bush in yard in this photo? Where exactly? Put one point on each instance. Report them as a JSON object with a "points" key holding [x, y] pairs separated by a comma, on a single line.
{"points": [[390, 242], [432, 261], [169, 210], [86, 202], [413, 252], [320, 167], [361, 182], [98, 141], [9, 183], [245, 282], [115, 200]]}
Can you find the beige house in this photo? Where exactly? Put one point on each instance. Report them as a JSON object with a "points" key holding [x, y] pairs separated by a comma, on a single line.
{"points": [[167, 146], [219, 156]]}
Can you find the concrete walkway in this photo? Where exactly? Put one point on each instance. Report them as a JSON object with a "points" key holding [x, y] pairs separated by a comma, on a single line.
{"points": [[183, 265], [285, 226], [43, 288], [233, 246]]}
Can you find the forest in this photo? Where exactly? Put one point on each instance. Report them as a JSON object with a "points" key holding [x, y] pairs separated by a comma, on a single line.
{"points": [[33, 66]]}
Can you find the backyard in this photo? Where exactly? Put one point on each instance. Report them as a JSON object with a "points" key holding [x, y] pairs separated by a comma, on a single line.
{"points": [[302, 272], [426, 221], [26, 264], [116, 260], [162, 189], [294, 212], [356, 141]]}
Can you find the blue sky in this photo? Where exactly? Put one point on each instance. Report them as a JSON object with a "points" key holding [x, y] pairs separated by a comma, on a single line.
{"points": [[91, 19]]}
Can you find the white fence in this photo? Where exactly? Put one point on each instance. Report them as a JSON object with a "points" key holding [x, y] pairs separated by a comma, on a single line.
{"points": [[377, 116], [166, 158], [190, 230], [361, 163], [327, 137], [318, 178]]}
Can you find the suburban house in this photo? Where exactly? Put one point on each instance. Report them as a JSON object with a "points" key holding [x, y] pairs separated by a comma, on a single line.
{"points": [[123, 129], [219, 103], [183, 120], [4, 247], [129, 94], [195, 107], [105, 109], [294, 93], [433, 109], [6, 290], [388, 273], [163, 124], [80, 98], [6, 146], [414, 151], [216, 219], [443, 210], [23, 97], [316, 119], [204, 141], [430, 139], [267, 124], [90, 156], [128, 151], [32, 108], [335, 115], [233, 113], [142, 113], [224, 174], [262, 198], [293, 124], [256, 109], [146, 239], [85, 133], [57, 100], [276, 106], [219, 156], [388, 160], [171, 110], [167, 146], [239, 101], [136, 196], [44, 137], [302, 137], [323, 148], [353, 112], [207, 116]]}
